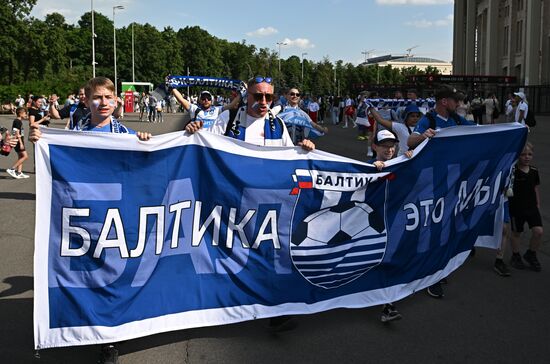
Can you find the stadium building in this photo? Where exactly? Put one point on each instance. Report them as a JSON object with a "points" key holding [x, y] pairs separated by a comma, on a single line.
{"points": [[407, 61], [503, 37]]}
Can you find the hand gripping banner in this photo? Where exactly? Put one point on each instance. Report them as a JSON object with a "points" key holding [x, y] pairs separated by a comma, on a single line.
{"points": [[135, 238]]}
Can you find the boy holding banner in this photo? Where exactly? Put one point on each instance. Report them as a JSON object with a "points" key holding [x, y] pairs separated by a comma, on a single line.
{"points": [[384, 144], [100, 93], [411, 116]]}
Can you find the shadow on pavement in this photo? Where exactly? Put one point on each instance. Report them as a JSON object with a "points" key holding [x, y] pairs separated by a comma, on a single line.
{"points": [[17, 195], [16, 331], [18, 285]]}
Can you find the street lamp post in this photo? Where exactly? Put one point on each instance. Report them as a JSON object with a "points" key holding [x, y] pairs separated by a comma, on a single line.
{"points": [[279, 54], [303, 54], [133, 59], [119, 7], [93, 41]]}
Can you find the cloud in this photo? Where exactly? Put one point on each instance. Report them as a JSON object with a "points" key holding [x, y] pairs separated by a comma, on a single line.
{"points": [[74, 9], [423, 23], [414, 2], [67, 13], [263, 32], [301, 43]]}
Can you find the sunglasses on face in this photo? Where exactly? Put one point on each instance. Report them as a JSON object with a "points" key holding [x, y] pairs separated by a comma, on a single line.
{"points": [[260, 79], [260, 96], [297, 94], [206, 98]]}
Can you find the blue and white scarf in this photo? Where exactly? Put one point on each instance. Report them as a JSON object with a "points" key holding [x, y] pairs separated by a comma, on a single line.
{"points": [[116, 126]]}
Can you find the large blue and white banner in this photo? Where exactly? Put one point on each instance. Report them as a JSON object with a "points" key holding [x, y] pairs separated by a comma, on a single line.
{"points": [[135, 238]]}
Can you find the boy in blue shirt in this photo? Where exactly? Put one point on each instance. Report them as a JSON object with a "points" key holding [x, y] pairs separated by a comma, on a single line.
{"points": [[100, 93]]}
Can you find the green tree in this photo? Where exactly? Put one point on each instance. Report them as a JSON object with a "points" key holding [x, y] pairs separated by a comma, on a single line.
{"points": [[12, 14], [431, 70], [201, 51]]}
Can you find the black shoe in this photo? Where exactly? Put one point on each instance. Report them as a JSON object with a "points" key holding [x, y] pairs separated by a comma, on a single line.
{"points": [[109, 355], [444, 281], [436, 291], [390, 313], [516, 261], [501, 268], [282, 323], [531, 259]]}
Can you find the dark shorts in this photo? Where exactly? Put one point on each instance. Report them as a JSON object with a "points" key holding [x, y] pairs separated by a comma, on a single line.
{"points": [[506, 217], [20, 147], [532, 218], [362, 128]]}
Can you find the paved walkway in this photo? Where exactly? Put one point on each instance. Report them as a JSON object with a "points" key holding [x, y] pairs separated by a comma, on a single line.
{"points": [[482, 319]]}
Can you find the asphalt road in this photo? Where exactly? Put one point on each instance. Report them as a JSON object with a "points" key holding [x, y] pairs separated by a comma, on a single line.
{"points": [[483, 318]]}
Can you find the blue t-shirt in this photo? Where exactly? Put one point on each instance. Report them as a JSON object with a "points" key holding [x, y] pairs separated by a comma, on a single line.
{"points": [[440, 122]]}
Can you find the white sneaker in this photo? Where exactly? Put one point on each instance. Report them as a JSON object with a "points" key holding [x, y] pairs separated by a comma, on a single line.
{"points": [[11, 172], [23, 175]]}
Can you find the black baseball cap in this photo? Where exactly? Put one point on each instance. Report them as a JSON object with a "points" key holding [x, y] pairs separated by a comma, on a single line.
{"points": [[446, 92]]}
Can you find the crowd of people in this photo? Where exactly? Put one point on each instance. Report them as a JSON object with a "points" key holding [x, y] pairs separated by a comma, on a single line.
{"points": [[262, 117]]}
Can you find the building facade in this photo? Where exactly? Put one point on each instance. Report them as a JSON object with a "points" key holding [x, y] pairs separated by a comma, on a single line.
{"points": [[503, 37]]}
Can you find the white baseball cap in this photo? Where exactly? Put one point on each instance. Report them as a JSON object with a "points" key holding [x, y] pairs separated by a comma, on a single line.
{"points": [[520, 94], [384, 135]]}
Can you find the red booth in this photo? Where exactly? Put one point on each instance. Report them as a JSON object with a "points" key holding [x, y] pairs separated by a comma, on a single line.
{"points": [[129, 101]]}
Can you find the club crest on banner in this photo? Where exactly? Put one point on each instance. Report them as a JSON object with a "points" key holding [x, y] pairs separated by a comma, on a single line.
{"points": [[338, 233]]}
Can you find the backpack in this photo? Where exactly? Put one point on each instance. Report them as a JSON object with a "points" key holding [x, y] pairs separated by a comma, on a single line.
{"points": [[530, 119]]}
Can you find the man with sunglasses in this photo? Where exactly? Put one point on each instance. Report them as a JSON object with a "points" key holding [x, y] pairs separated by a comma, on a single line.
{"points": [[254, 123], [205, 112]]}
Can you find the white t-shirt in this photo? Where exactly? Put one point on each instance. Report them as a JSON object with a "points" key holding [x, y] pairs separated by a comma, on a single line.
{"points": [[254, 130], [522, 106], [208, 117], [402, 131], [313, 106]]}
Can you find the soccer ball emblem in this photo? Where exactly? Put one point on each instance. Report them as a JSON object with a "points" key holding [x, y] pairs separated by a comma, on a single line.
{"points": [[338, 244]]}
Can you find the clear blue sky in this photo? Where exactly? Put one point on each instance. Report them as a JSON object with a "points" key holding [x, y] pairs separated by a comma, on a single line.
{"points": [[339, 29]]}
